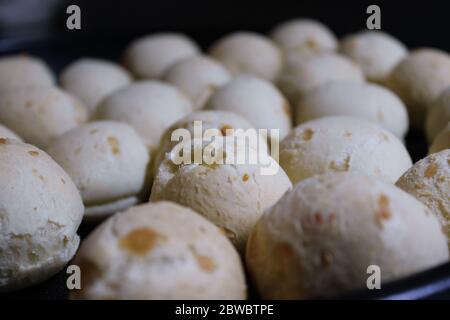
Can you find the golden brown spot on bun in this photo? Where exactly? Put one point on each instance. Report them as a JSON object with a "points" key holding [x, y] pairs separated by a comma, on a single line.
{"points": [[383, 212], [341, 167], [33, 153], [245, 177], [3, 141], [204, 262], [139, 241], [431, 171], [224, 129], [307, 134], [114, 143]]}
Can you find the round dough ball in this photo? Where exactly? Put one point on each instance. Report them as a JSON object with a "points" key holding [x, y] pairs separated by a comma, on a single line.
{"points": [[7, 133], [342, 144], [320, 239], [107, 161], [362, 100], [429, 181], [442, 140], [18, 71], [92, 79], [376, 52], [419, 79], [257, 100], [198, 77], [438, 115], [40, 114], [303, 73], [248, 52], [148, 106], [305, 36], [223, 121], [231, 195], [159, 251], [150, 56], [40, 211]]}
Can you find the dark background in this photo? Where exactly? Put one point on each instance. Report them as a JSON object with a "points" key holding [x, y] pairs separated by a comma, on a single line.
{"points": [[417, 23]]}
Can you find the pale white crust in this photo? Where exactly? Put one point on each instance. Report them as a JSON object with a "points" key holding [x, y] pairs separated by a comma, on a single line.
{"points": [[376, 52], [91, 79], [419, 79], [150, 56], [41, 210], [319, 239], [250, 53], [7, 133], [371, 102], [108, 162], [257, 100], [198, 77], [148, 106], [334, 144], [232, 196], [159, 251], [18, 71], [40, 114], [429, 181], [302, 73]]}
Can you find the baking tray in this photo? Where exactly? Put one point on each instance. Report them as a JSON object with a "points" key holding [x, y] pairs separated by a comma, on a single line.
{"points": [[60, 50]]}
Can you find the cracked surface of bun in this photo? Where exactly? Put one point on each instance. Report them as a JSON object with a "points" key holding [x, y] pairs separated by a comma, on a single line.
{"points": [[342, 144], [159, 251], [320, 238], [40, 211], [429, 181], [232, 196]]}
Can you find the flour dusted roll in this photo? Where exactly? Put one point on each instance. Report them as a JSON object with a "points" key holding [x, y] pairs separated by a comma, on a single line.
{"points": [[257, 100], [92, 79], [159, 251], [148, 106], [429, 181], [40, 114], [320, 239], [231, 195], [376, 52], [199, 77], [303, 73], [223, 122], [41, 210], [419, 79], [336, 144], [18, 71], [150, 56], [304, 36], [250, 53], [362, 100], [108, 162]]}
